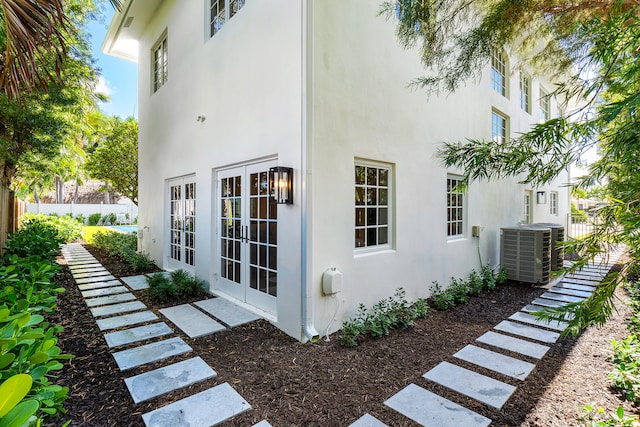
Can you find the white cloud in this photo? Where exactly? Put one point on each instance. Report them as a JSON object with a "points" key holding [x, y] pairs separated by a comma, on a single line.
{"points": [[103, 87]]}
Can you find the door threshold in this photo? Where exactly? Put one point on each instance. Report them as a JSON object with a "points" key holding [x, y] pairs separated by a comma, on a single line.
{"points": [[268, 316]]}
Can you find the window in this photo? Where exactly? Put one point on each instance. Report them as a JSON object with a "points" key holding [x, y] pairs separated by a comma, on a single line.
{"points": [[455, 206], [553, 203], [372, 203], [160, 63], [499, 72], [525, 92], [498, 127], [545, 107], [221, 11]]}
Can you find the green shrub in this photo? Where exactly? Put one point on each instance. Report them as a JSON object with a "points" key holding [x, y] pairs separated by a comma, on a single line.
{"points": [[502, 277], [123, 246], [594, 418], [188, 286], [442, 298], [626, 371], [488, 278], [94, 219], [80, 218], [108, 219], [385, 315], [161, 288]]}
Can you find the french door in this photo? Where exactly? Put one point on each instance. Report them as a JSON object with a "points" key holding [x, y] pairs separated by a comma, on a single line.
{"points": [[247, 236], [181, 224]]}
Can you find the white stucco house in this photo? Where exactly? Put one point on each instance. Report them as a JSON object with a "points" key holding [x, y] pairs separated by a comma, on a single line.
{"points": [[231, 88]]}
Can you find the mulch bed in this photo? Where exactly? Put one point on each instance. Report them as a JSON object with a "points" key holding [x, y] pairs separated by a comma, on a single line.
{"points": [[324, 384]]}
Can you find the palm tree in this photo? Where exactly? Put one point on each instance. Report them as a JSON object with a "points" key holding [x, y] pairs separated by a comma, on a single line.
{"points": [[31, 29]]}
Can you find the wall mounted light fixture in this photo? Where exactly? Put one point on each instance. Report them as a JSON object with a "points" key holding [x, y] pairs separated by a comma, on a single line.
{"points": [[281, 185], [541, 197]]}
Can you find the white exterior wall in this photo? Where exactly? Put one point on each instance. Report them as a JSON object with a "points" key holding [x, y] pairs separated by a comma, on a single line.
{"points": [[363, 109], [246, 80]]}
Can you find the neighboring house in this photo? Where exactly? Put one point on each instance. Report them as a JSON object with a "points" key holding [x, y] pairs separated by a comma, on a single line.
{"points": [[229, 89]]}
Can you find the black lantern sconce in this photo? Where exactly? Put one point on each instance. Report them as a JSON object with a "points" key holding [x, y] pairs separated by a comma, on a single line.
{"points": [[281, 185], [541, 197]]}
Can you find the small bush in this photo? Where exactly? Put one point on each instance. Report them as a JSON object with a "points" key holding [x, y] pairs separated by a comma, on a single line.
{"points": [[188, 286], [488, 278], [385, 315], [94, 219], [626, 370], [108, 219], [442, 298], [80, 218], [161, 288], [123, 246]]}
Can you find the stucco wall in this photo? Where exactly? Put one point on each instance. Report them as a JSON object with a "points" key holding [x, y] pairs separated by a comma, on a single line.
{"points": [[246, 82], [364, 109]]}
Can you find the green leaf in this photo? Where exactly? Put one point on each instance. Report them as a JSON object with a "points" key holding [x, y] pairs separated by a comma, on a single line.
{"points": [[20, 414], [38, 358], [12, 391], [39, 372], [6, 360]]}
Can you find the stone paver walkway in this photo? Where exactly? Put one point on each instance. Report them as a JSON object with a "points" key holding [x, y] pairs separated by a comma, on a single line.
{"points": [[109, 300], [521, 334], [127, 322]]}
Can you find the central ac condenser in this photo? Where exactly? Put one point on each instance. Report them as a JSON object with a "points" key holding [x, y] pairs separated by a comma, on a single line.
{"points": [[525, 252]]}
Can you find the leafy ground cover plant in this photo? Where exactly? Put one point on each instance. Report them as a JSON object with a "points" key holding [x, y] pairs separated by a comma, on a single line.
{"points": [[384, 316], [459, 290], [123, 246], [596, 417], [29, 355], [178, 285]]}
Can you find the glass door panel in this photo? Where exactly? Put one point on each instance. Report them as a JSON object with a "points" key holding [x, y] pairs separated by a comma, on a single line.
{"points": [[182, 224]]}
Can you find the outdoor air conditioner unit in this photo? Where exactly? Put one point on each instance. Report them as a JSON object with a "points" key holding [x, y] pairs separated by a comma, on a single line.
{"points": [[525, 252], [557, 237]]}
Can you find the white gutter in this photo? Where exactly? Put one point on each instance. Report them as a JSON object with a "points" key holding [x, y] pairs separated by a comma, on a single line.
{"points": [[308, 328]]}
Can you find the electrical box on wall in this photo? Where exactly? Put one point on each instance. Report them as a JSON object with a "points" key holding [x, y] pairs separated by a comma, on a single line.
{"points": [[331, 281], [475, 230]]}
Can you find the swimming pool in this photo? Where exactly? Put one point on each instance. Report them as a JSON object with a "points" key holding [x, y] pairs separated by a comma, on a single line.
{"points": [[124, 228]]}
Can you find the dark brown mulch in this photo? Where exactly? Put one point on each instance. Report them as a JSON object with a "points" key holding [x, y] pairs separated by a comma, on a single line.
{"points": [[323, 384]]}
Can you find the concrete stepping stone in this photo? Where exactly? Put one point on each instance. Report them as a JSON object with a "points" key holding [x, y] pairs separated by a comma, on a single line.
{"points": [[140, 333], [429, 409], [572, 292], [576, 287], [585, 275], [367, 420], [533, 320], [527, 331], [227, 311], [94, 279], [589, 281], [191, 321], [98, 285], [104, 291], [548, 302], [81, 269], [532, 309], [125, 320], [497, 362], [136, 282], [96, 273], [127, 359], [480, 387], [109, 299], [168, 378], [265, 423], [205, 409], [527, 348], [84, 264], [117, 308], [560, 297]]}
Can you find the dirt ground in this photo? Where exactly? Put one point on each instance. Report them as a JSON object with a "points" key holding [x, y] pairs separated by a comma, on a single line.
{"points": [[324, 384]]}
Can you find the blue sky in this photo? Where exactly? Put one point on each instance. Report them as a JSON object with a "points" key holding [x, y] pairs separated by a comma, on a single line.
{"points": [[119, 78]]}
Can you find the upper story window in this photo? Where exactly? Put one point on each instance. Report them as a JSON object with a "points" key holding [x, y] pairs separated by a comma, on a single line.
{"points": [[499, 71], [525, 92], [373, 183], [221, 11], [545, 106], [553, 203], [455, 206], [160, 62], [499, 126]]}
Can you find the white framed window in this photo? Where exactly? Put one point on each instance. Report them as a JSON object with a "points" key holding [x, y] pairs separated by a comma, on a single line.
{"points": [[553, 203], [455, 206], [220, 11], [545, 106], [499, 71], [160, 61], [525, 92], [373, 204], [499, 127]]}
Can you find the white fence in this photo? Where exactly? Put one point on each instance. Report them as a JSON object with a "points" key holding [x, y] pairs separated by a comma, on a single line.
{"points": [[84, 209]]}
